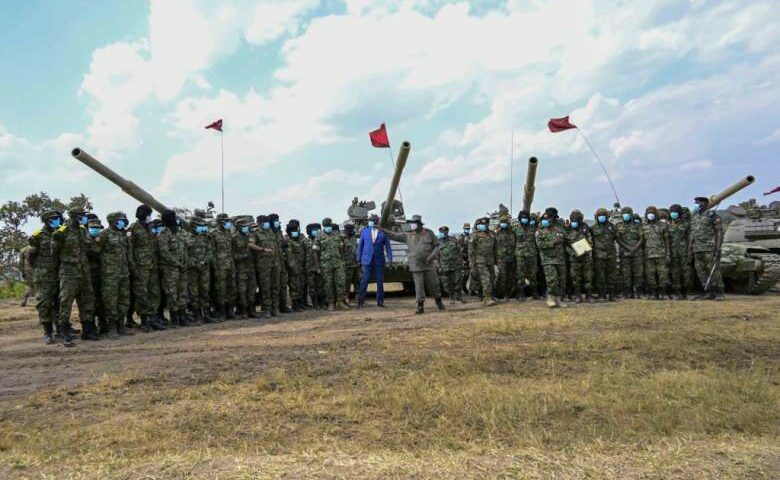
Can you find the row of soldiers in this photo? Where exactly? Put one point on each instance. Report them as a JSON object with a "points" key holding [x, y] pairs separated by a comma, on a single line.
{"points": [[195, 273], [662, 254]]}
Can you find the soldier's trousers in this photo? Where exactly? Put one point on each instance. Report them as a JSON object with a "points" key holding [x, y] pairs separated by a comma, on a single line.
{"points": [[555, 278], [244, 273], [198, 287], [632, 271], [656, 274], [295, 281], [174, 284], [29, 290], [251, 285], [351, 278], [475, 285], [283, 283], [703, 263], [143, 284], [426, 280], [487, 278], [225, 286], [47, 296], [605, 274], [505, 279], [76, 284], [581, 274], [115, 293], [97, 287], [679, 273], [464, 279], [451, 279], [155, 289], [333, 280], [268, 282], [314, 283], [525, 273]]}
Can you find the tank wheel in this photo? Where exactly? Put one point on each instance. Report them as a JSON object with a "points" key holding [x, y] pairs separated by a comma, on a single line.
{"points": [[768, 277]]}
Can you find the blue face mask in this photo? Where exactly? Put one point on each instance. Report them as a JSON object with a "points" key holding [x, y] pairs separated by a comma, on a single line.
{"points": [[201, 229], [440, 235], [482, 227], [524, 221], [266, 225], [295, 234], [370, 224], [315, 233], [602, 218], [675, 215], [637, 221], [83, 220], [94, 231], [228, 225], [545, 223], [120, 224], [532, 222], [156, 230], [627, 217], [503, 225], [55, 223], [244, 230], [466, 231], [277, 224], [327, 229], [695, 208], [651, 216], [575, 224]]}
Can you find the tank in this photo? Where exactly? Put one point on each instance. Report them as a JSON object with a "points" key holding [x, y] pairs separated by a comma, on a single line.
{"points": [[127, 186], [530, 181], [750, 257]]}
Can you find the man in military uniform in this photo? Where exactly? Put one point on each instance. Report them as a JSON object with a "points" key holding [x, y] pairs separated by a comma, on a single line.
{"points": [[45, 273], [550, 241], [155, 286], [475, 284], [276, 226], [604, 255], [173, 268], [313, 272], [94, 227], [331, 256], [580, 266], [114, 250], [244, 268], [296, 264], [224, 267], [678, 252], [422, 248], [351, 267], [704, 246], [463, 246], [629, 239], [70, 249], [482, 259], [450, 264], [142, 245], [655, 238], [505, 257], [265, 245], [200, 256], [525, 256]]}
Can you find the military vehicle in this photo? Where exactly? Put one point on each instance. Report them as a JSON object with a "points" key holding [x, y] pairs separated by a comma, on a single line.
{"points": [[528, 197]]}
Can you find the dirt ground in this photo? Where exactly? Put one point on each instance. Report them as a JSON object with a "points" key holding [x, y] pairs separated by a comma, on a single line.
{"points": [[635, 389]]}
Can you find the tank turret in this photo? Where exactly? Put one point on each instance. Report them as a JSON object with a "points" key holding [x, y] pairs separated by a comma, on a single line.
{"points": [[530, 180]]}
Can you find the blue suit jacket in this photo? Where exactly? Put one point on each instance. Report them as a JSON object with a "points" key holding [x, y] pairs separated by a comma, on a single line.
{"points": [[366, 249]]}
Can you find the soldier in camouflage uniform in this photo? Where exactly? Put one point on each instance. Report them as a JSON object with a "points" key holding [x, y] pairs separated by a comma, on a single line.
{"points": [[629, 239], [112, 244], [27, 274], [450, 264], [678, 252], [580, 267], [265, 244], [704, 246], [525, 256], [475, 285], [244, 268], [45, 273], [173, 268], [655, 238], [155, 286], [94, 227], [224, 268], [143, 255], [351, 267], [70, 249], [604, 255], [313, 272], [200, 257], [550, 241], [505, 257], [296, 264], [332, 265], [283, 289], [482, 259], [463, 246]]}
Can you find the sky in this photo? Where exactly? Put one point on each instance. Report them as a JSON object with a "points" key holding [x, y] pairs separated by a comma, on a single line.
{"points": [[678, 97]]}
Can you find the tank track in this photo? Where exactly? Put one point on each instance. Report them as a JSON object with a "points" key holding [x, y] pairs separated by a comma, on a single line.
{"points": [[769, 276]]}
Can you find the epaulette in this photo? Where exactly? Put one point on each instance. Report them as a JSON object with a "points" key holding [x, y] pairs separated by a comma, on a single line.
{"points": [[36, 232], [62, 228]]}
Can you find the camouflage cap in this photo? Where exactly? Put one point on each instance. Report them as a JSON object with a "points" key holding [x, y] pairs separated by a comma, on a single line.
{"points": [[576, 214], [444, 228], [651, 209], [223, 217], [49, 214], [94, 223], [327, 222], [701, 200], [467, 225], [114, 216], [627, 210], [76, 211], [601, 211], [663, 214], [551, 212], [504, 217], [416, 219], [483, 220], [676, 208], [156, 223], [198, 221]]}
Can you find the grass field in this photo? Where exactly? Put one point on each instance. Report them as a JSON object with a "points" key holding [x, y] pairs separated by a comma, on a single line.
{"points": [[637, 389]]}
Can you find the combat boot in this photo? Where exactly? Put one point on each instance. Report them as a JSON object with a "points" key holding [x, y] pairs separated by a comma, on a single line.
{"points": [[145, 327], [420, 308], [252, 312], [267, 314], [174, 319], [113, 328], [439, 303], [129, 322], [489, 302], [156, 322], [361, 303], [67, 336], [121, 328], [181, 316], [717, 296], [206, 316], [48, 333], [283, 307], [89, 331], [346, 304], [551, 301]]}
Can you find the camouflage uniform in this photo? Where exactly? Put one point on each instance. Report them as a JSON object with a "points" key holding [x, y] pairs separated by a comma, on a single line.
{"points": [[475, 285], [115, 271], [313, 272], [705, 227], [525, 259], [243, 261], [505, 258], [173, 270], [463, 246], [679, 230], [45, 274], [482, 257], [296, 269], [580, 267], [549, 242], [629, 236], [265, 244], [351, 267], [656, 242], [451, 265], [143, 253], [93, 257], [332, 265], [281, 252], [200, 257], [224, 268], [604, 257]]}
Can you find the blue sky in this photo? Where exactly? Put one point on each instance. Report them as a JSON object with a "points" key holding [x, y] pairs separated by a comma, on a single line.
{"points": [[680, 97]]}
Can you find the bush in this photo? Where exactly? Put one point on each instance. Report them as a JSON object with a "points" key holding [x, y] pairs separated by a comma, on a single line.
{"points": [[11, 289]]}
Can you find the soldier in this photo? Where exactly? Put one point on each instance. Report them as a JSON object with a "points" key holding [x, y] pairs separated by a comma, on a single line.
{"points": [[450, 264], [704, 246], [200, 256], [313, 272], [629, 239], [604, 255], [265, 245], [112, 245], [27, 274], [173, 268], [296, 264], [224, 268], [94, 227], [276, 226], [656, 246], [505, 256], [45, 273], [143, 246], [525, 256], [351, 267], [475, 284], [463, 246], [244, 268], [550, 241], [70, 249], [678, 253], [422, 250], [580, 266], [482, 259], [331, 258], [155, 287]]}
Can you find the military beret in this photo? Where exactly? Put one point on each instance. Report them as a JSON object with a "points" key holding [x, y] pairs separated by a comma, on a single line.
{"points": [[551, 212], [651, 209], [444, 228], [327, 222], [627, 210], [676, 207]]}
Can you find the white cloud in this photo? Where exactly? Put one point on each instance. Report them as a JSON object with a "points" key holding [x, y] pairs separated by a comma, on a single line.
{"points": [[771, 138], [696, 165], [272, 19]]}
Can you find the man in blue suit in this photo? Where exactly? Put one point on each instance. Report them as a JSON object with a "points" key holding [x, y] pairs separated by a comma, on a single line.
{"points": [[371, 254]]}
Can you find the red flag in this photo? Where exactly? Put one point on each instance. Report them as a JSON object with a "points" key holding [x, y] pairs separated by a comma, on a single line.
{"points": [[560, 124], [379, 137], [776, 189], [215, 125]]}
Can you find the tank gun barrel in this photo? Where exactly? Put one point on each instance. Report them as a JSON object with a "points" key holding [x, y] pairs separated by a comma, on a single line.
{"points": [[530, 180], [400, 163], [731, 190], [127, 186]]}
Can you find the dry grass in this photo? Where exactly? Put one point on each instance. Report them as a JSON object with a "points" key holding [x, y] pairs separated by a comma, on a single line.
{"points": [[633, 390]]}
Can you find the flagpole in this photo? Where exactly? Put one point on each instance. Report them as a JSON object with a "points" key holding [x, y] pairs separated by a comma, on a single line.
{"points": [[603, 168], [511, 173], [390, 152], [222, 165]]}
